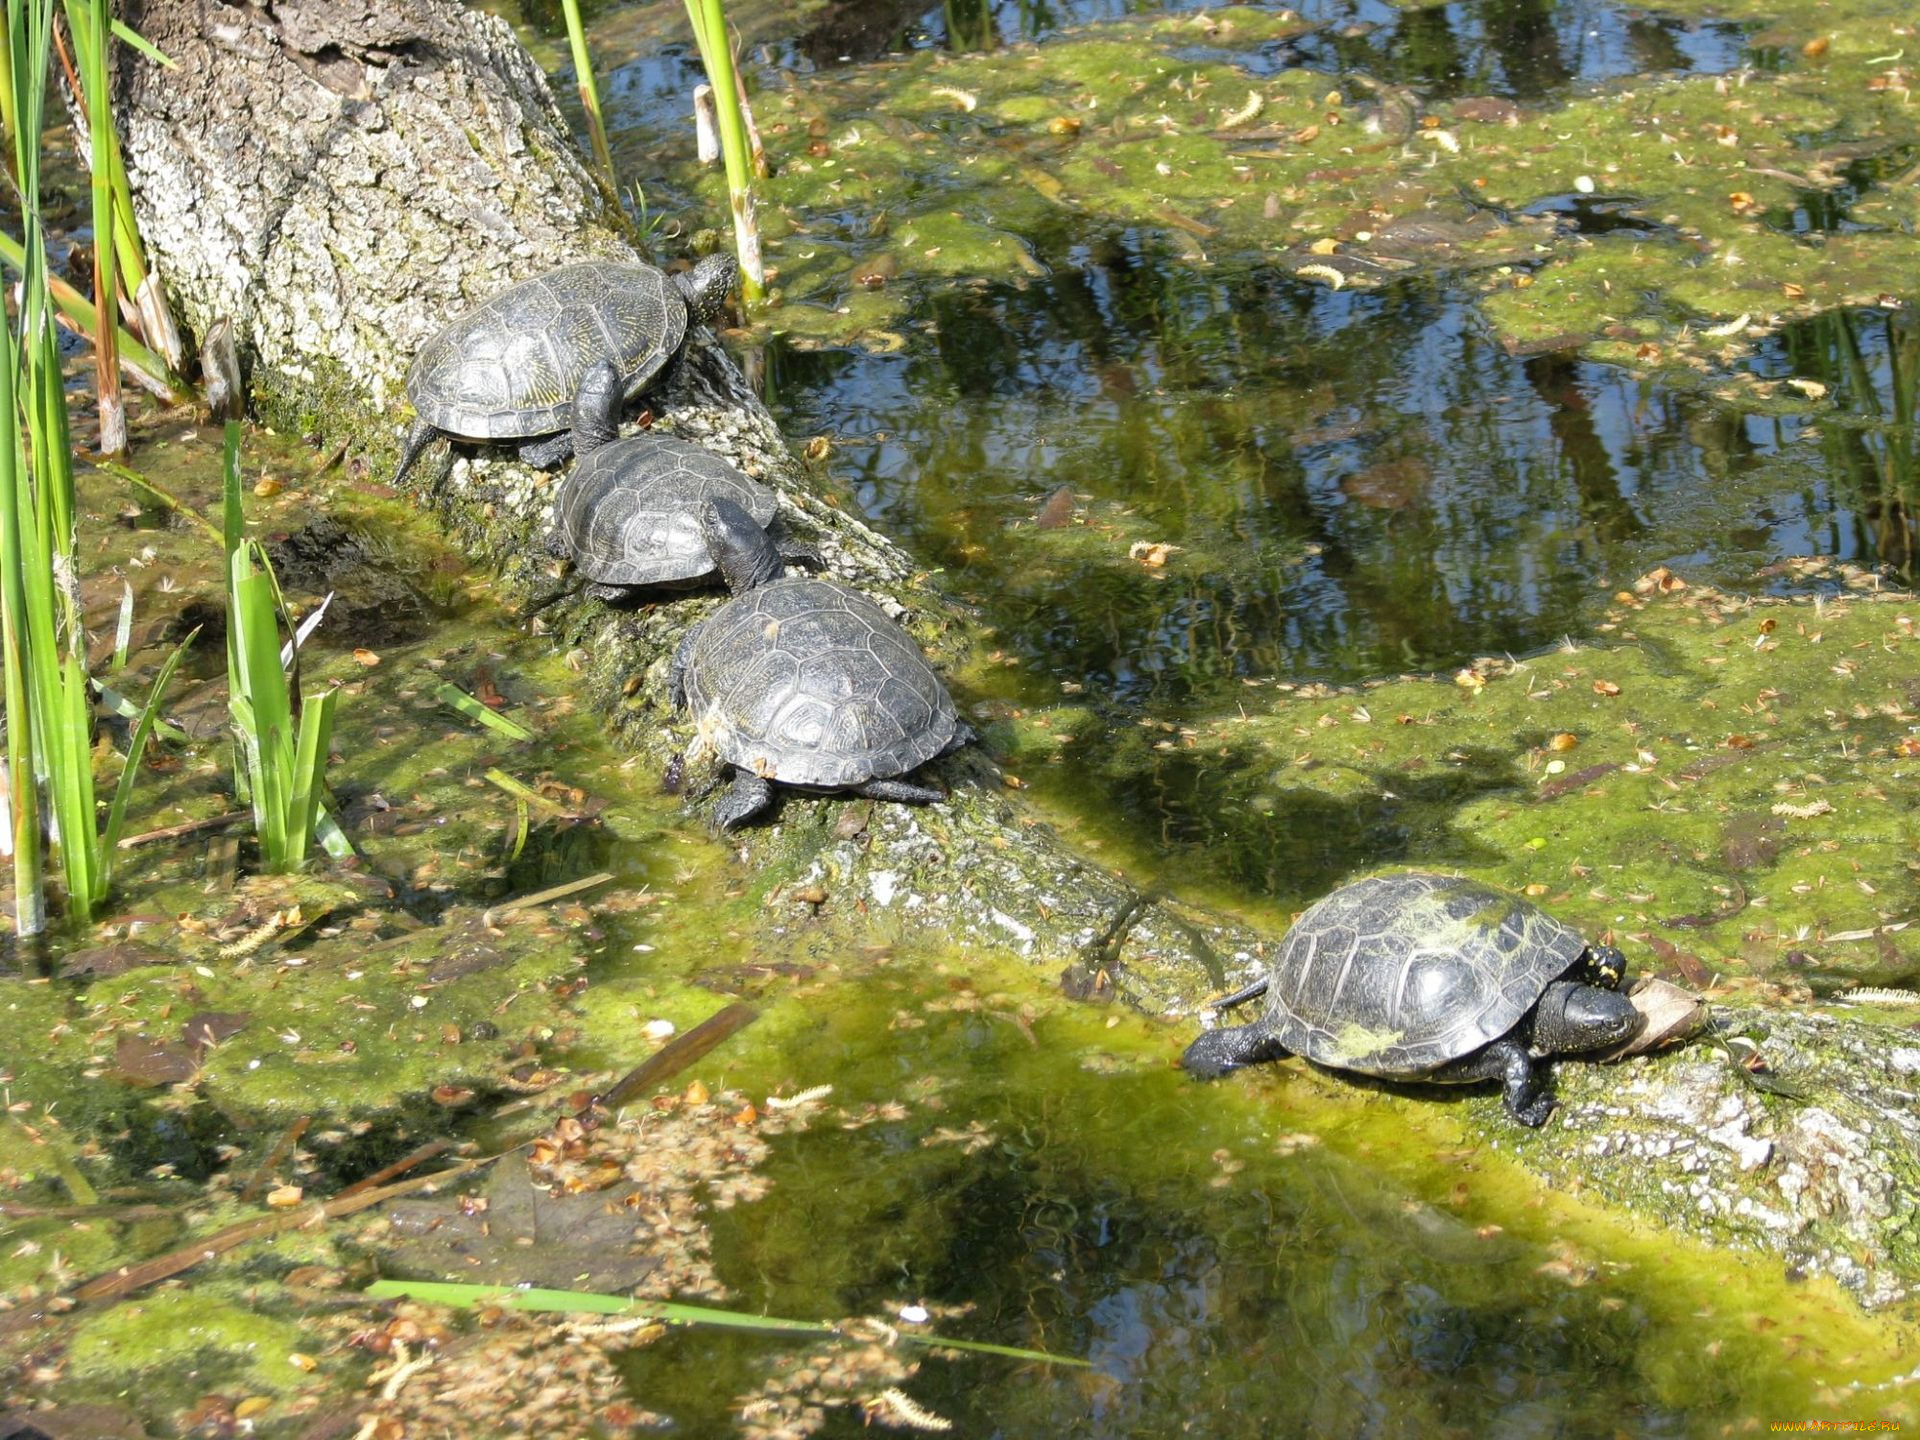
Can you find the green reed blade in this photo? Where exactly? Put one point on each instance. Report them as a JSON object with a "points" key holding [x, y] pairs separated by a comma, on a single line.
{"points": [[136, 748], [310, 768], [454, 698], [592, 1303], [710, 35], [589, 91]]}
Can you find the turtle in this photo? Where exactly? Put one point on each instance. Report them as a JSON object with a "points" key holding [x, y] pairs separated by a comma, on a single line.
{"points": [[805, 682], [1427, 977], [628, 514], [508, 368]]}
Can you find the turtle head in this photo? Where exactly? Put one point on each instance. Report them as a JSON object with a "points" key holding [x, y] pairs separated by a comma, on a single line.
{"points": [[1572, 1017], [742, 551], [596, 407], [706, 287]]}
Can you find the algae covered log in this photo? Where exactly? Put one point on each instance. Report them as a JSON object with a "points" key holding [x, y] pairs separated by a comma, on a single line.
{"points": [[340, 180]]}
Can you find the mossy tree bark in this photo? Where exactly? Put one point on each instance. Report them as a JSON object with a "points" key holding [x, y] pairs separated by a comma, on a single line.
{"points": [[339, 178]]}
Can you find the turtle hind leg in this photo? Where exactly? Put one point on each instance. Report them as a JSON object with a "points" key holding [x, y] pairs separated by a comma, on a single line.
{"points": [[1218, 1052], [609, 594], [418, 438], [746, 798], [900, 790]]}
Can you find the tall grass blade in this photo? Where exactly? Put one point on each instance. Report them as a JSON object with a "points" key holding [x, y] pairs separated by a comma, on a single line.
{"points": [[94, 22], [309, 764], [589, 91], [22, 772], [710, 35]]}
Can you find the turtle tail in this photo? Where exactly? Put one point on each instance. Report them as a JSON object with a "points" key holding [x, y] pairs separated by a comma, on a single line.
{"points": [[418, 439]]}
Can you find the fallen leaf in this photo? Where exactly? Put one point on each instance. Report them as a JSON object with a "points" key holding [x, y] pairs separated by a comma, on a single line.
{"points": [[1152, 553], [1671, 1015]]}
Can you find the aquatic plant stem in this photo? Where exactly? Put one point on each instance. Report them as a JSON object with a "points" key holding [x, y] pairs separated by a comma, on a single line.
{"points": [[91, 30], [710, 34], [589, 91], [106, 290]]}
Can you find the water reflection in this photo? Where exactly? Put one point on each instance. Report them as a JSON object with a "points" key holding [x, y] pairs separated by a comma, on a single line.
{"points": [[1871, 361], [1525, 49], [1271, 1289], [1360, 483]]}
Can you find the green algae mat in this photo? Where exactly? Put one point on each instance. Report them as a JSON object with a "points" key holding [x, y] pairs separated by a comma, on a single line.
{"points": [[1727, 781], [1657, 220]]}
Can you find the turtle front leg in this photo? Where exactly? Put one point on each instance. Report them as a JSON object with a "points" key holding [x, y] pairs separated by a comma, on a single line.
{"points": [[747, 797], [546, 451], [1523, 1080], [900, 790]]}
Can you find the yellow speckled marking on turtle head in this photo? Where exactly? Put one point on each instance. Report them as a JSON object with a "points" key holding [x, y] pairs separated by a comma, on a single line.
{"points": [[1356, 1042]]}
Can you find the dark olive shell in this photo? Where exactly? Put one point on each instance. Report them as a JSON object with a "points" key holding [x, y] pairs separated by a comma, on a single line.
{"points": [[808, 682], [628, 514], [509, 368], [1397, 975]]}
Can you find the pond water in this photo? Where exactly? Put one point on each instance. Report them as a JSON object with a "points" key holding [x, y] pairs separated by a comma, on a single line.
{"points": [[1355, 485], [1159, 482]]}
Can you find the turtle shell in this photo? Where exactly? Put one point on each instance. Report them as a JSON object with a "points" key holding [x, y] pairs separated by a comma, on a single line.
{"points": [[509, 367], [808, 682], [1397, 975], [628, 511]]}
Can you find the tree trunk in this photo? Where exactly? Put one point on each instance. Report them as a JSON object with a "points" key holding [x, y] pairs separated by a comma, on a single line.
{"points": [[340, 178]]}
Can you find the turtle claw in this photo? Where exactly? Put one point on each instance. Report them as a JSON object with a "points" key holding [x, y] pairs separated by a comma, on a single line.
{"points": [[546, 451], [1524, 1080]]}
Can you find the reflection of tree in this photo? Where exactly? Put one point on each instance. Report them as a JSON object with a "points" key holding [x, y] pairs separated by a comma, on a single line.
{"points": [[1426, 48], [858, 30], [970, 25], [1579, 448], [1871, 359], [1523, 37], [1654, 45]]}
